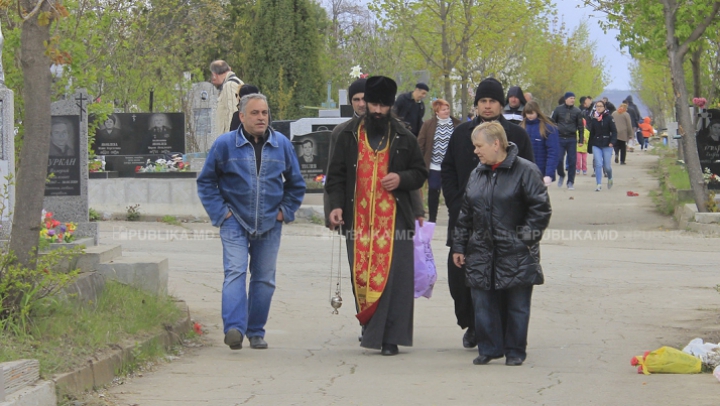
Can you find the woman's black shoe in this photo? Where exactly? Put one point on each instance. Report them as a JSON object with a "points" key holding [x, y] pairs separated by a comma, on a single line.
{"points": [[483, 359], [389, 349], [513, 361]]}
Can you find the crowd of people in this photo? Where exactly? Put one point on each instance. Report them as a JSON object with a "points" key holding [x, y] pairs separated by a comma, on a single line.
{"points": [[492, 169]]}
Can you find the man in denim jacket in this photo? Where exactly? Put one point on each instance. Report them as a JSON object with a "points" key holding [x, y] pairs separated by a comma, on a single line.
{"points": [[250, 185]]}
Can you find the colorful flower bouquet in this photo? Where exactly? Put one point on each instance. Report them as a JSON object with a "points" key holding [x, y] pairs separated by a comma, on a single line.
{"points": [[710, 177], [174, 164], [53, 231]]}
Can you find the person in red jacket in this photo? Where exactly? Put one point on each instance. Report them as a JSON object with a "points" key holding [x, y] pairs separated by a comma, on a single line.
{"points": [[647, 132]]}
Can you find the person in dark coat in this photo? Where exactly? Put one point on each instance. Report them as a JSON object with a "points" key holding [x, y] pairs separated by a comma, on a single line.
{"points": [[376, 167], [569, 120], [544, 139], [244, 91], [603, 136], [455, 170], [514, 104], [410, 108], [504, 213]]}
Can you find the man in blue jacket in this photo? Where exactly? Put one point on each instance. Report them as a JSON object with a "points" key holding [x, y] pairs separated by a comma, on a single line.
{"points": [[250, 185]]}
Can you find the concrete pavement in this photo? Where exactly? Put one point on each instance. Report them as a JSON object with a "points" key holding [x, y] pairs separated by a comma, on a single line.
{"points": [[619, 281]]}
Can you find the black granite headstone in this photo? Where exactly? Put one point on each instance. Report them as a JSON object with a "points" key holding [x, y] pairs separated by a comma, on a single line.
{"points": [[708, 143], [64, 157], [128, 140], [312, 151], [282, 126]]}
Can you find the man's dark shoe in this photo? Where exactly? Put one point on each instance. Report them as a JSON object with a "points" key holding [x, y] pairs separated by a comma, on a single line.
{"points": [[513, 361], [234, 339], [469, 338], [257, 343], [389, 349], [483, 359]]}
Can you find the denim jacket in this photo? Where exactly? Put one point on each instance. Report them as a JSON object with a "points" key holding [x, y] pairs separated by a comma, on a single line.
{"points": [[229, 181]]}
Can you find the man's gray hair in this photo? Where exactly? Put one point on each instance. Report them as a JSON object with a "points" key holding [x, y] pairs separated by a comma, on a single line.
{"points": [[246, 99], [219, 67]]}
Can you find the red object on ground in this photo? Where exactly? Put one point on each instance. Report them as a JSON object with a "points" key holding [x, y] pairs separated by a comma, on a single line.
{"points": [[198, 328], [632, 194]]}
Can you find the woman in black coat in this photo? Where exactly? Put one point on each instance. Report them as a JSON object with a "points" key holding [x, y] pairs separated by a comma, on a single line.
{"points": [[603, 136], [504, 213]]}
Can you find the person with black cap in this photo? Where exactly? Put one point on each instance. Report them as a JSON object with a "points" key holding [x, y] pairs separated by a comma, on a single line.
{"points": [[458, 164], [514, 104], [375, 168], [244, 91], [410, 107], [569, 120], [356, 97]]}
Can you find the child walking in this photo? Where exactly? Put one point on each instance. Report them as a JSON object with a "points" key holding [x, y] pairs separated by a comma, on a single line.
{"points": [[582, 152]]}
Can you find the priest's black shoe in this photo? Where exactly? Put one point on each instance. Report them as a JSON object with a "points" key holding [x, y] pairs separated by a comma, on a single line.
{"points": [[513, 361], [483, 359], [389, 349], [469, 338]]}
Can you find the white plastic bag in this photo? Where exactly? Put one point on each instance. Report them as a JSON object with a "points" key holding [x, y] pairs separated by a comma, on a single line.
{"points": [[708, 353]]}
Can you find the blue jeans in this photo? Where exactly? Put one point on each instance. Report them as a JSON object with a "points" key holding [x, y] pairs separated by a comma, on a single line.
{"points": [[569, 145], [501, 321], [248, 311], [601, 159]]}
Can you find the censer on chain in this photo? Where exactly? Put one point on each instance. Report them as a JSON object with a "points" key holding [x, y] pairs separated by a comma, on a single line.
{"points": [[336, 300]]}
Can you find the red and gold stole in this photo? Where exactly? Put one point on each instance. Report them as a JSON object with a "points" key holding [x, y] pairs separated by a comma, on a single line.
{"points": [[374, 227]]}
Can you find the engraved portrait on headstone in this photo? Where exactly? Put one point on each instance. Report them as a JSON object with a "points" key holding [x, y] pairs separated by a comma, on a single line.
{"points": [[63, 161], [61, 140]]}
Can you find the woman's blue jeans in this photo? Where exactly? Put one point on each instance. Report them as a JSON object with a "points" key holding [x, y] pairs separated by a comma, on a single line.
{"points": [[501, 321], [248, 311], [602, 157]]}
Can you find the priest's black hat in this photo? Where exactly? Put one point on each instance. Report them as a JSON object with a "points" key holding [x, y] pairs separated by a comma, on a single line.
{"points": [[380, 89]]}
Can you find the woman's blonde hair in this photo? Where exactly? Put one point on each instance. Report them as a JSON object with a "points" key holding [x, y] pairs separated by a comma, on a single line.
{"points": [[437, 103], [492, 131]]}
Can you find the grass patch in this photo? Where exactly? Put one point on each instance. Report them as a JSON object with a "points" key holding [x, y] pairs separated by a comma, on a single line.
{"points": [[672, 177], [65, 333], [172, 220]]}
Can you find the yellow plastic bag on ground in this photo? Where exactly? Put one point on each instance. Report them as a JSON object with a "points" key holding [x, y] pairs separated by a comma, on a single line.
{"points": [[667, 360]]}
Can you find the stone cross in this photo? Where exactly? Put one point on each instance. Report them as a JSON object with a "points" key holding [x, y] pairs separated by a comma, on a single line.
{"points": [[705, 116], [80, 103]]}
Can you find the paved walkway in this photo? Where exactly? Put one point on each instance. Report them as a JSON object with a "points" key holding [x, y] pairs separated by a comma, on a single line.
{"points": [[619, 282]]}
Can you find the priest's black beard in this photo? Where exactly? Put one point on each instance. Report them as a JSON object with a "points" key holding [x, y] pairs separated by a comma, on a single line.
{"points": [[377, 124]]}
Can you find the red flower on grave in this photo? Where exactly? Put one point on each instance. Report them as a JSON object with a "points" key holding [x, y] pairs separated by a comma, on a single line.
{"points": [[198, 328], [137, 168]]}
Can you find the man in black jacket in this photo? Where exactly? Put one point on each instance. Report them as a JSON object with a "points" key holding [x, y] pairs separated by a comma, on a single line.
{"points": [[376, 166], [459, 162], [569, 120], [410, 109]]}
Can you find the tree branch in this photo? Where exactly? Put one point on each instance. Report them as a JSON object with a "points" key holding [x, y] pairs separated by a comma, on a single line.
{"points": [[699, 30], [32, 13]]}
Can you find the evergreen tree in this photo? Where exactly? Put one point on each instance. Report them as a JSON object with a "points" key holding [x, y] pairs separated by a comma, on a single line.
{"points": [[282, 56]]}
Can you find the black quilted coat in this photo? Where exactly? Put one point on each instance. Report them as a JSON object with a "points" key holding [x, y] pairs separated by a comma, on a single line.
{"points": [[503, 216]]}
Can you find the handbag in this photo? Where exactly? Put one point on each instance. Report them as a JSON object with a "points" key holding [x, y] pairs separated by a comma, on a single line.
{"points": [[425, 271]]}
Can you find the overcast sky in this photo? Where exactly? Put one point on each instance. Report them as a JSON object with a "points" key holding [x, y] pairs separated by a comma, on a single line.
{"points": [[617, 64]]}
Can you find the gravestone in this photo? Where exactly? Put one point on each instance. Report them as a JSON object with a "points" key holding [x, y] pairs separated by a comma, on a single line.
{"points": [[313, 135], [203, 99], [708, 144], [7, 157], [312, 150], [129, 140], [66, 194]]}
